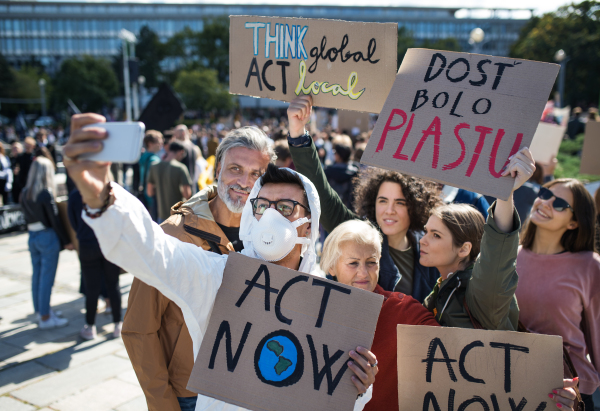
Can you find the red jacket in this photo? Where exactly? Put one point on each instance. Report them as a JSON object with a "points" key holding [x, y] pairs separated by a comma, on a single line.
{"points": [[397, 309]]}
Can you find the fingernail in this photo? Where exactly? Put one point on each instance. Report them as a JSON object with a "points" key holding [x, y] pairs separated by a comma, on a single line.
{"points": [[96, 145], [349, 363], [353, 352], [559, 405], [555, 392], [550, 395], [576, 379]]}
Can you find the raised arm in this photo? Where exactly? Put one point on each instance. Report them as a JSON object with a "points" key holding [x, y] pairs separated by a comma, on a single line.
{"points": [[491, 291], [306, 161]]}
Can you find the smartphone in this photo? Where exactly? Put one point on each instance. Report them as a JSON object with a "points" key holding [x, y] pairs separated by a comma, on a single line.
{"points": [[123, 144]]}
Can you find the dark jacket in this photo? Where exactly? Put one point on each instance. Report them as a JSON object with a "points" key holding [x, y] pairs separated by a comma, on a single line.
{"points": [[476, 200], [334, 213], [43, 209], [487, 287], [339, 176], [85, 234]]}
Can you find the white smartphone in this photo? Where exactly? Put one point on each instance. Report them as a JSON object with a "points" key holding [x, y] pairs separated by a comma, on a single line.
{"points": [[123, 144]]}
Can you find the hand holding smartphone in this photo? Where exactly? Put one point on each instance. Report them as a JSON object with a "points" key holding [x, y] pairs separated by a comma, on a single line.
{"points": [[123, 144]]}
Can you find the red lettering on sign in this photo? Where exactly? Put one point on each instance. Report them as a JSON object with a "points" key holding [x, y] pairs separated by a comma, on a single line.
{"points": [[483, 131], [513, 151], [398, 153], [388, 127], [462, 147], [434, 130]]}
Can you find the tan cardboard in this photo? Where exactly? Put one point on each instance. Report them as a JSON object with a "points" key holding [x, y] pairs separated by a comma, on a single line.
{"points": [[590, 155], [546, 141], [348, 65], [440, 366], [348, 120], [307, 321], [455, 118]]}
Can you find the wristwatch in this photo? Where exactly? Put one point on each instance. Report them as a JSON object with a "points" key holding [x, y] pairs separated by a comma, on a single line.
{"points": [[302, 141]]}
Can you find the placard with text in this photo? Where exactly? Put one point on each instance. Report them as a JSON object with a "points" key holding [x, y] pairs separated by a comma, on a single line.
{"points": [[590, 154], [456, 118], [347, 65], [279, 339], [444, 368]]}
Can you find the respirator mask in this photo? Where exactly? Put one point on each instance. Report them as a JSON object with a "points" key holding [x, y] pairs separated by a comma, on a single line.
{"points": [[274, 236]]}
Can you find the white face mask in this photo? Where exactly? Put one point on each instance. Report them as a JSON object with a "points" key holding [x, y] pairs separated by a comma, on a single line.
{"points": [[274, 236]]}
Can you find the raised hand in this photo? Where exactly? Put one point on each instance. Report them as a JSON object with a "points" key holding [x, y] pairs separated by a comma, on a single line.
{"points": [[521, 167], [90, 177], [299, 114]]}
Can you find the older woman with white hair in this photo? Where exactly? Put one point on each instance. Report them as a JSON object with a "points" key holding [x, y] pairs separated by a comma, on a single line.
{"points": [[47, 237], [351, 256]]}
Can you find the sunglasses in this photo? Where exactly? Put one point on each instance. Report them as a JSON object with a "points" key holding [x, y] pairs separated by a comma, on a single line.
{"points": [[285, 207], [559, 204]]}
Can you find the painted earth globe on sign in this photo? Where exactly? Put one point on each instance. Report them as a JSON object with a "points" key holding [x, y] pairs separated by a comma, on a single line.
{"points": [[279, 359]]}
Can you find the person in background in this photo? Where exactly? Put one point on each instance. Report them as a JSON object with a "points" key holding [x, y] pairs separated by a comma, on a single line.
{"points": [[6, 176], [284, 158], [200, 169], [182, 134], [96, 271], [153, 143], [575, 125], [597, 199], [22, 164], [46, 238], [559, 276], [454, 195], [341, 173], [169, 181], [397, 204]]}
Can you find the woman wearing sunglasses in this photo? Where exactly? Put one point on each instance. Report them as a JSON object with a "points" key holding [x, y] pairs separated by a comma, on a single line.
{"points": [[559, 276]]}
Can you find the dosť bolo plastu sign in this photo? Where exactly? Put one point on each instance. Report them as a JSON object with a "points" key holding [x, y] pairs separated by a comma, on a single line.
{"points": [[456, 118], [278, 339], [347, 65], [444, 368]]}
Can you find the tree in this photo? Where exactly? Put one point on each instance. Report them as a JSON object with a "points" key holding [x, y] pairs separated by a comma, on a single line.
{"points": [[90, 82], [405, 42], [150, 52], [447, 44], [576, 30], [201, 90], [7, 77], [213, 46]]}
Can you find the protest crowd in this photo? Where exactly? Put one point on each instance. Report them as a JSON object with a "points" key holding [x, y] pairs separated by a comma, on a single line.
{"points": [[282, 191]]}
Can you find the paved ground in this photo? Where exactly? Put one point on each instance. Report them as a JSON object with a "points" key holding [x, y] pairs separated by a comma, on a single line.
{"points": [[56, 369]]}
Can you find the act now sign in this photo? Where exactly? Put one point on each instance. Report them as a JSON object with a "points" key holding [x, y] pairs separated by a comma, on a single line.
{"points": [[347, 65], [456, 118]]}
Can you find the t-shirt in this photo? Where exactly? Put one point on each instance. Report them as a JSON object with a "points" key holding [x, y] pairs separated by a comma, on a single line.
{"points": [[167, 178], [405, 261], [233, 235]]}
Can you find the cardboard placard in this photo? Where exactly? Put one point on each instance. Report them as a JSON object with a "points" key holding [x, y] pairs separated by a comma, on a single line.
{"points": [[279, 339], [546, 141], [349, 65], [590, 157], [455, 118], [440, 366], [351, 120]]}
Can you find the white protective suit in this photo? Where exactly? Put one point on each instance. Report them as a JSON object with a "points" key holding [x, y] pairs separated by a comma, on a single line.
{"points": [[184, 273]]}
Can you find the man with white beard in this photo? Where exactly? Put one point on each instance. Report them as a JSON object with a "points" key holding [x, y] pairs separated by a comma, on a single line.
{"points": [[154, 331]]}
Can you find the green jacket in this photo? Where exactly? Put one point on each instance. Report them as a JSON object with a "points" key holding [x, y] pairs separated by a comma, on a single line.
{"points": [[488, 286]]}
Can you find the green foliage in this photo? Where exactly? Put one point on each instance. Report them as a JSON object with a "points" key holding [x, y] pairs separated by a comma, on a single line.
{"points": [[150, 52], [407, 41], [576, 30], [447, 44], [90, 82], [213, 46], [200, 90], [21, 84], [569, 160]]}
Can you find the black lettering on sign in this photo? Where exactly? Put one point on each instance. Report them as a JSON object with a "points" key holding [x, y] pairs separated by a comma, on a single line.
{"points": [[435, 100], [328, 287], [515, 407], [433, 346], [541, 407], [464, 76], [284, 289], [267, 287], [501, 67], [420, 94], [332, 382], [487, 109], [283, 65], [232, 360], [268, 63], [430, 399], [333, 53], [495, 402], [253, 71], [428, 76], [474, 400], [507, 349], [456, 101], [483, 75], [463, 358]]}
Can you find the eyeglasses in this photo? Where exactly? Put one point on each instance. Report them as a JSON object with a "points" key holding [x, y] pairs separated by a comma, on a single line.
{"points": [[285, 207], [559, 204]]}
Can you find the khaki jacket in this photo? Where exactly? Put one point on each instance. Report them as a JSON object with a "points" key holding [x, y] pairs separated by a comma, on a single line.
{"points": [[154, 332]]}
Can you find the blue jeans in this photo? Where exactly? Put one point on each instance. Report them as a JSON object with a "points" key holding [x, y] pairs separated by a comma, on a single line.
{"points": [[187, 403], [44, 247]]}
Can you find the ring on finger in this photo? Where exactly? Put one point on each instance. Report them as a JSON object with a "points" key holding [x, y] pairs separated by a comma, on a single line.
{"points": [[374, 365]]}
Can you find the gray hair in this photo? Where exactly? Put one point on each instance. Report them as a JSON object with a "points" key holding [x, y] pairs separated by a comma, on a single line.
{"points": [[248, 137], [358, 231], [40, 177]]}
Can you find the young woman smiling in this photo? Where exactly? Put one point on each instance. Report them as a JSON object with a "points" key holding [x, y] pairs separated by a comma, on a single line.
{"points": [[560, 276]]}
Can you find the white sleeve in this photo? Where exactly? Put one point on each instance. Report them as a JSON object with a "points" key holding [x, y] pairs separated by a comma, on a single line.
{"points": [[184, 273], [364, 399]]}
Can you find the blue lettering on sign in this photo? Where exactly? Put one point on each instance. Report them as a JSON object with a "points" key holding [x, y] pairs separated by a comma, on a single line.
{"points": [[288, 40]]}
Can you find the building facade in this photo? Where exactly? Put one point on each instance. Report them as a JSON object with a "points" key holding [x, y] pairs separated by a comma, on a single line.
{"points": [[50, 31]]}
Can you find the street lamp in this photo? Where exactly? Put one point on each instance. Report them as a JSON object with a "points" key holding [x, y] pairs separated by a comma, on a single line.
{"points": [[476, 39], [42, 84], [561, 58], [127, 37]]}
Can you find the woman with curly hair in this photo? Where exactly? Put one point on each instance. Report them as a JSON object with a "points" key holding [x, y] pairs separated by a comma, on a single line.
{"points": [[398, 205]]}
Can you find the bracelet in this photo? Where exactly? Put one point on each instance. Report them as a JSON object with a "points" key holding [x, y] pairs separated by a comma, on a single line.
{"points": [[98, 213]]}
